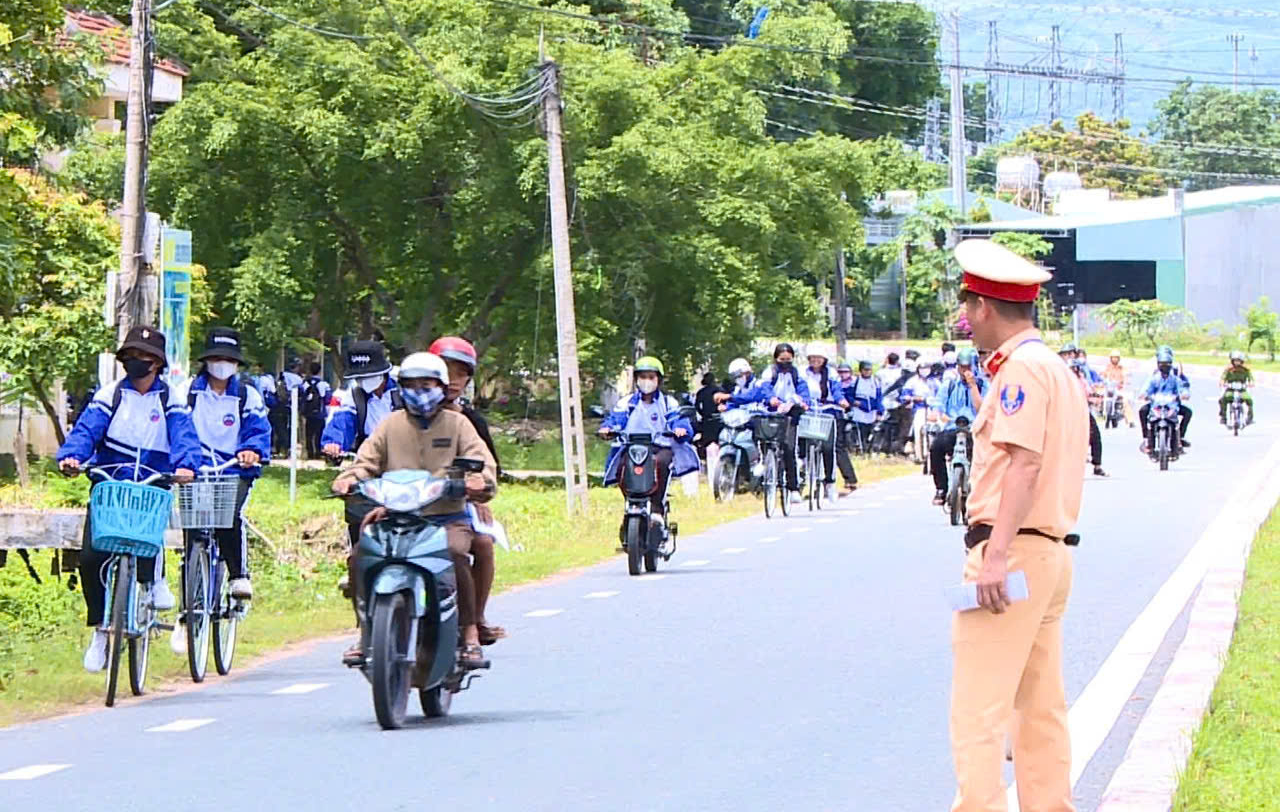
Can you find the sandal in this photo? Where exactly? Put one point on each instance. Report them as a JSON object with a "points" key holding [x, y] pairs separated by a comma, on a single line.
{"points": [[491, 634], [353, 656], [471, 657]]}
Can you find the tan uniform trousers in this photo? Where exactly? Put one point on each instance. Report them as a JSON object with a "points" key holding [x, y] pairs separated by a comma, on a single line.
{"points": [[1008, 679]]}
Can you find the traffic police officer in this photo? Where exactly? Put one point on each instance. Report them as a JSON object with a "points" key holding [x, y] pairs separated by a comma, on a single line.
{"points": [[1029, 442]]}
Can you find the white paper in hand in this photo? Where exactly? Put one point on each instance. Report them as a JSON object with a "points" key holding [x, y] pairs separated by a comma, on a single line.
{"points": [[495, 529], [964, 597]]}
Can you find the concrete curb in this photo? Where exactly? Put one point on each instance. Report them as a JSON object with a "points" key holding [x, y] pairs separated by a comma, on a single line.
{"points": [[1148, 776]]}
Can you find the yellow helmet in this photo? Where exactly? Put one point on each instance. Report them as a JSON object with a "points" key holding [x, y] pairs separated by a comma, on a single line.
{"points": [[650, 364]]}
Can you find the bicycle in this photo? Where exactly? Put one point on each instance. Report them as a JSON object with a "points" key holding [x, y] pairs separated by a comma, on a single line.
{"points": [[770, 430], [128, 520], [205, 505], [817, 431]]}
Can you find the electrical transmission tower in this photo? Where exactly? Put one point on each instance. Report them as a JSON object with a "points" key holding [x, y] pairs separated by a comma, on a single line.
{"points": [[1056, 72], [993, 96], [1117, 84], [933, 131]]}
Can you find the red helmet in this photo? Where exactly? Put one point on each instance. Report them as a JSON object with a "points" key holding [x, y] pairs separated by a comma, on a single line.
{"points": [[453, 348]]}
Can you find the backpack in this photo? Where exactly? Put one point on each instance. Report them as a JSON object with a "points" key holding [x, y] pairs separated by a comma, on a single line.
{"points": [[282, 393], [311, 405], [361, 400]]}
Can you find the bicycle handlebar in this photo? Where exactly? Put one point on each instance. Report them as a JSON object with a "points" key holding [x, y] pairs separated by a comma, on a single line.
{"points": [[156, 476]]}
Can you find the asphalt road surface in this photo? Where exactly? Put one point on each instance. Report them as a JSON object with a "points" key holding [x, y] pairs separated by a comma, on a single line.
{"points": [[791, 663]]}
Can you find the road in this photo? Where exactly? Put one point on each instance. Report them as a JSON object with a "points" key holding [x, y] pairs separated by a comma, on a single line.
{"points": [[797, 663]]}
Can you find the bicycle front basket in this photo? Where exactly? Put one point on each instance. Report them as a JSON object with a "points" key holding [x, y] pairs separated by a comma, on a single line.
{"points": [[820, 427], [129, 518], [768, 426], [209, 502]]}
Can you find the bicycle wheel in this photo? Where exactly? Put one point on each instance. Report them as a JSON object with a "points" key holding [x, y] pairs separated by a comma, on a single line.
{"points": [[225, 621], [195, 608], [726, 478], [820, 467], [770, 481], [784, 491], [956, 499], [811, 475], [140, 646], [120, 582]]}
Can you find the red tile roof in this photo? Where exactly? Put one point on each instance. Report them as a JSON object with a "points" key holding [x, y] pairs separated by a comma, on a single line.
{"points": [[115, 39]]}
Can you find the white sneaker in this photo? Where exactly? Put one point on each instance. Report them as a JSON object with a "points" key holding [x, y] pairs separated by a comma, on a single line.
{"points": [[95, 656], [830, 492], [178, 640], [757, 470], [241, 589], [161, 597], [796, 498]]}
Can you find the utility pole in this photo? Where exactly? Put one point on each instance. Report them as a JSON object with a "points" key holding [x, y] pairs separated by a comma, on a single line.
{"points": [[1234, 38], [841, 298], [1117, 85], [575, 448], [933, 131], [903, 258], [136, 288], [1055, 69], [993, 97], [1253, 61], [958, 180]]}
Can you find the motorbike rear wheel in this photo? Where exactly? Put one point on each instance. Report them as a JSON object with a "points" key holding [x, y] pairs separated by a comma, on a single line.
{"points": [[390, 650], [955, 499], [635, 544], [1163, 449]]}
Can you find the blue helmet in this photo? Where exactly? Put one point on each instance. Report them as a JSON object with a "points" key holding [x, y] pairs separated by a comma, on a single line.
{"points": [[967, 357], [1164, 356]]}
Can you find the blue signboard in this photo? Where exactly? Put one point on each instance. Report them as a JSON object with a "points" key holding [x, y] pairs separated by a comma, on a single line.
{"points": [[175, 302]]}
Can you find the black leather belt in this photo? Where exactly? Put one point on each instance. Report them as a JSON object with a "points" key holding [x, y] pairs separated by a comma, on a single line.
{"points": [[979, 533]]}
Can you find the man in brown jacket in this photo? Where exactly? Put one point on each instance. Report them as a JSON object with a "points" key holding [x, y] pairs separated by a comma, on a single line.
{"points": [[425, 437]]}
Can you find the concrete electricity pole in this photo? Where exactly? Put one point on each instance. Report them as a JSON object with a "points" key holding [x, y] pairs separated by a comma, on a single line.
{"points": [[575, 448], [958, 180], [136, 299], [1234, 38], [841, 298]]}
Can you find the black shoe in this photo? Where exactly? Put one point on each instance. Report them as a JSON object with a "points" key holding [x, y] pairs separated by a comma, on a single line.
{"points": [[940, 498], [1222, 420], [1097, 471], [1185, 444]]}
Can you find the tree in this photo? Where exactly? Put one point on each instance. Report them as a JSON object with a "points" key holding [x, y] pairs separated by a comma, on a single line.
{"points": [[1102, 152], [1262, 324], [931, 271], [1212, 129], [1144, 318], [57, 248]]}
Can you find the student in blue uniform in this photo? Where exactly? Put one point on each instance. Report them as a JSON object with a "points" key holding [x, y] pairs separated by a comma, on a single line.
{"points": [[137, 427]]}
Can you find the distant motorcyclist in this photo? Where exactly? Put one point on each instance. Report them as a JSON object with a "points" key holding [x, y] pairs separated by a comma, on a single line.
{"points": [[961, 397], [1114, 373], [1165, 381], [1237, 372]]}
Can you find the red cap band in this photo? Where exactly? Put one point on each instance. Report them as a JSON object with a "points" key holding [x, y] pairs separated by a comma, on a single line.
{"points": [[1005, 291]]}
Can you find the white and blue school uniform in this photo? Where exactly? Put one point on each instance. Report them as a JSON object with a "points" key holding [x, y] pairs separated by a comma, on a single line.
{"points": [[123, 425], [224, 428], [340, 430], [635, 416]]}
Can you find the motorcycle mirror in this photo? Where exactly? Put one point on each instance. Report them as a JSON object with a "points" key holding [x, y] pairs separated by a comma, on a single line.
{"points": [[468, 465]]}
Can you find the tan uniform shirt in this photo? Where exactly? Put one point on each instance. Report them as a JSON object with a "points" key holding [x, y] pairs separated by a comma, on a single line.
{"points": [[399, 443], [1035, 402]]}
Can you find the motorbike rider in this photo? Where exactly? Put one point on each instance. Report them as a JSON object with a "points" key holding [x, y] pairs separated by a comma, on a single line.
{"points": [[1081, 370], [961, 397], [460, 359], [231, 421], [1236, 372], [949, 361], [651, 411], [1114, 373], [133, 425], [428, 437], [915, 396], [1165, 381]]}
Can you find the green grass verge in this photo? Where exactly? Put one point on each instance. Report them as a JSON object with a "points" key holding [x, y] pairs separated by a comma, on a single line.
{"points": [[1235, 763], [42, 632]]}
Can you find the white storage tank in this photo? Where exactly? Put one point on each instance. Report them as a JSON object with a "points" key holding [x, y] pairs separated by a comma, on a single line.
{"points": [[1055, 183], [1017, 172]]}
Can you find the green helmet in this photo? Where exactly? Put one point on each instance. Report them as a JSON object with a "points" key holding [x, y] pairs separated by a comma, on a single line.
{"points": [[651, 364], [1068, 347], [842, 365], [967, 357]]}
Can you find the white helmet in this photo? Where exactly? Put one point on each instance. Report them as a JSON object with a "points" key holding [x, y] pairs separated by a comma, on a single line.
{"points": [[909, 365], [817, 348], [424, 365], [949, 358], [739, 366]]}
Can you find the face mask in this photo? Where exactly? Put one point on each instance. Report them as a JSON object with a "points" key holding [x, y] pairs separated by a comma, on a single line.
{"points": [[784, 366], [370, 385], [137, 368], [647, 385], [222, 370], [422, 402]]}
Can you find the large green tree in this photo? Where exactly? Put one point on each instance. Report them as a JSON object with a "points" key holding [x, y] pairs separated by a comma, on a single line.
{"points": [[1212, 129]]}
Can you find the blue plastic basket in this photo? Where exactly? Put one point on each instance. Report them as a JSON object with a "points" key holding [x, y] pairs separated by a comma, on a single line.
{"points": [[129, 518]]}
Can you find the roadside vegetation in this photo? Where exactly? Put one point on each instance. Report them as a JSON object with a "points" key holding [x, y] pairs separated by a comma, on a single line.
{"points": [[1235, 764]]}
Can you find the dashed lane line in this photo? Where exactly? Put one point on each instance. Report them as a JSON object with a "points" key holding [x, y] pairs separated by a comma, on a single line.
{"points": [[697, 562], [600, 595], [300, 688], [543, 612], [34, 771], [770, 539], [650, 577], [180, 726], [733, 550]]}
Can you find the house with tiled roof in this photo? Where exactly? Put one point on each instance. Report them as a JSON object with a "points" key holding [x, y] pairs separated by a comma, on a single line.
{"points": [[108, 112]]}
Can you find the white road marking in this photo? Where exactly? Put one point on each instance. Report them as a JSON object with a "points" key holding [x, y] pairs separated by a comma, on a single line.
{"points": [[300, 688], [653, 577], [180, 726], [543, 612], [733, 550], [824, 521], [800, 530], [768, 539], [697, 562], [34, 771], [609, 594]]}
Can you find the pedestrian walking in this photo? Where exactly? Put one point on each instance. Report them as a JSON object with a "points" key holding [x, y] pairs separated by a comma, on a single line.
{"points": [[1029, 443]]}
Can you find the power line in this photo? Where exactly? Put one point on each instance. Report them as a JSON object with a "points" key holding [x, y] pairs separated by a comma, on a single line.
{"points": [[324, 32]]}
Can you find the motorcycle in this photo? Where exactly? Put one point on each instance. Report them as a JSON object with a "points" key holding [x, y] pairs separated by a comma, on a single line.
{"points": [[932, 428], [1112, 406], [1097, 401], [409, 614], [1162, 423], [958, 482], [1235, 407], [739, 456], [643, 540]]}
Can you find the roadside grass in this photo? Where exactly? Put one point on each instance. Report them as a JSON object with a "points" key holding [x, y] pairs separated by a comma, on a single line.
{"points": [[1235, 761], [42, 631]]}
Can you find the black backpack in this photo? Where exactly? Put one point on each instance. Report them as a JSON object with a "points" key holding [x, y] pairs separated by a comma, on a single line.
{"points": [[361, 400], [311, 405]]}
